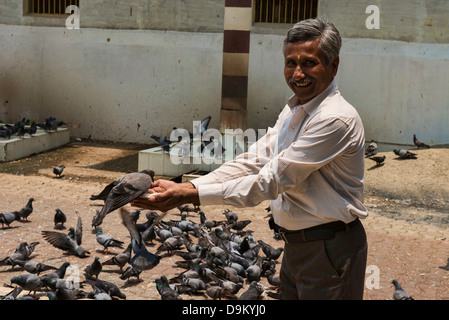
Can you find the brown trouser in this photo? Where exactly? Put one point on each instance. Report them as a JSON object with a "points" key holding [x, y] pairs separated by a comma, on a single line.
{"points": [[325, 269]]}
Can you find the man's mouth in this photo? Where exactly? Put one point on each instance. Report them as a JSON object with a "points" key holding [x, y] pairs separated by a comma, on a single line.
{"points": [[301, 83]]}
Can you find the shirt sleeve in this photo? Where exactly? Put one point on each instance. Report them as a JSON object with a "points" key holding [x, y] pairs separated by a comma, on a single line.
{"points": [[321, 142]]}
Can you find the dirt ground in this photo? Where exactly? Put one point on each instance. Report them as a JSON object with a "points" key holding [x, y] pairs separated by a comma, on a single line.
{"points": [[408, 201]]}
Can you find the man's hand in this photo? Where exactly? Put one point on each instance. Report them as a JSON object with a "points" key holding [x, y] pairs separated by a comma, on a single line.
{"points": [[166, 195]]}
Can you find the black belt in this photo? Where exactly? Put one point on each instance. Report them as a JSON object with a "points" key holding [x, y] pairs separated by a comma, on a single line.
{"points": [[320, 232]]}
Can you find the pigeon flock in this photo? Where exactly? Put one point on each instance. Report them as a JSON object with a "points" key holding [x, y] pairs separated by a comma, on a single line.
{"points": [[20, 128], [402, 154], [216, 259]]}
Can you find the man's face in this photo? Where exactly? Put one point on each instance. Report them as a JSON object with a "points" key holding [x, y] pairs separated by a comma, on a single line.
{"points": [[306, 65]]}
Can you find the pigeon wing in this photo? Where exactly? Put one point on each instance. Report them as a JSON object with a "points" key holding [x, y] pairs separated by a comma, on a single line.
{"points": [[57, 239], [79, 231]]}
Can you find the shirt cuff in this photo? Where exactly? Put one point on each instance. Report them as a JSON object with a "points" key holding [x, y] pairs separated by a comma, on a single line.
{"points": [[211, 194]]}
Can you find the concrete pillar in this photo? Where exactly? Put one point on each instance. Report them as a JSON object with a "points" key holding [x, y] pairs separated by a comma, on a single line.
{"points": [[237, 25]]}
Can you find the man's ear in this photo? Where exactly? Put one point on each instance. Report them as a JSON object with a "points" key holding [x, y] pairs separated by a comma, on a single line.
{"points": [[334, 66]]}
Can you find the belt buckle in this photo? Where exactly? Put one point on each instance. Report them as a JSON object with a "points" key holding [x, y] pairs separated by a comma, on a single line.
{"points": [[282, 236]]}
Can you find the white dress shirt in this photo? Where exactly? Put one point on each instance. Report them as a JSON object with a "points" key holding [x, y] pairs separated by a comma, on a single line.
{"points": [[310, 166]]}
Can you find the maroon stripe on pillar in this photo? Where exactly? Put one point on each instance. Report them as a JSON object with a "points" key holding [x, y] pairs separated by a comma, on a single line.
{"points": [[238, 3], [234, 86], [236, 41]]}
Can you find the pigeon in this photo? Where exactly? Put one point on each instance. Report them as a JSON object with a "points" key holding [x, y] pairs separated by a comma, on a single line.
{"points": [[405, 154], [122, 191], [110, 288], [379, 160], [121, 259], [216, 292], [32, 129], [164, 142], [107, 241], [166, 291], [129, 272], [190, 285], [93, 269], [12, 295], [70, 242], [28, 281], [8, 217], [35, 267], [27, 210], [270, 252], [231, 216], [208, 223], [58, 170], [371, 150], [254, 291], [59, 219], [22, 253], [142, 258], [240, 225], [419, 143], [399, 293], [59, 273]]}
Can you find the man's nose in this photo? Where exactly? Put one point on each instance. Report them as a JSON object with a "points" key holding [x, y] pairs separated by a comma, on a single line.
{"points": [[298, 74]]}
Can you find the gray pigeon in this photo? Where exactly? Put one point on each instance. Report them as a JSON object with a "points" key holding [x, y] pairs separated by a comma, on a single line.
{"points": [[27, 210], [142, 258], [379, 160], [419, 143], [107, 241], [270, 252], [70, 242], [254, 291], [8, 217], [58, 170], [399, 293], [57, 274], [371, 150], [166, 291], [110, 288], [35, 267], [12, 295], [93, 269], [405, 154], [121, 259], [28, 281], [22, 253], [129, 272], [122, 191]]}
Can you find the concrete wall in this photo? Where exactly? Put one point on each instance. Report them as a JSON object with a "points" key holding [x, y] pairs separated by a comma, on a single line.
{"points": [[138, 68]]}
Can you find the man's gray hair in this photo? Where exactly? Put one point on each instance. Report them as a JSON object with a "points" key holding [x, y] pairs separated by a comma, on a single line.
{"points": [[310, 29]]}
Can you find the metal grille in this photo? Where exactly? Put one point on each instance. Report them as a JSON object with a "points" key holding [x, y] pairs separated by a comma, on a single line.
{"points": [[50, 7], [284, 11]]}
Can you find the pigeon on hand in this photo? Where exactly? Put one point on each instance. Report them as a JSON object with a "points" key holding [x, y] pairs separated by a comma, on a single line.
{"points": [[379, 160], [8, 217], [142, 258], [59, 219], [93, 269], [107, 241], [419, 143], [120, 260], [405, 154], [122, 191], [27, 210], [399, 293], [58, 170], [371, 150], [70, 242]]}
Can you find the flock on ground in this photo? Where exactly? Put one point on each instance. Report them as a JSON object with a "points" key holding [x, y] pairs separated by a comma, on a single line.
{"points": [[218, 258]]}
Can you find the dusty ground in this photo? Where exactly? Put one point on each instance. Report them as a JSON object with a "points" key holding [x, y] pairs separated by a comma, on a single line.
{"points": [[407, 231]]}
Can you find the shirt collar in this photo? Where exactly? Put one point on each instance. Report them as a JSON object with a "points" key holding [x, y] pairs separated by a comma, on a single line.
{"points": [[309, 106]]}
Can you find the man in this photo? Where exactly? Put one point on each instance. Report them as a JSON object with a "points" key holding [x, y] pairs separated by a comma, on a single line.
{"points": [[310, 166]]}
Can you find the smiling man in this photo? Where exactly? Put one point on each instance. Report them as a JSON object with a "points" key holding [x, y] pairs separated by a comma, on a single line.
{"points": [[310, 166]]}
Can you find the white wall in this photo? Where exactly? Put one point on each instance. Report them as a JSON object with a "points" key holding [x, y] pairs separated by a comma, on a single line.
{"points": [[399, 88], [153, 78], [163, 79]]}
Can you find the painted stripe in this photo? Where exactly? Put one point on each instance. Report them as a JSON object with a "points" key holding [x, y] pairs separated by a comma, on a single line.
{"points": [[236, 41], [234, 86], [235, 64], [238, 3], [237, 18], [233, 104], [233, 119]]}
